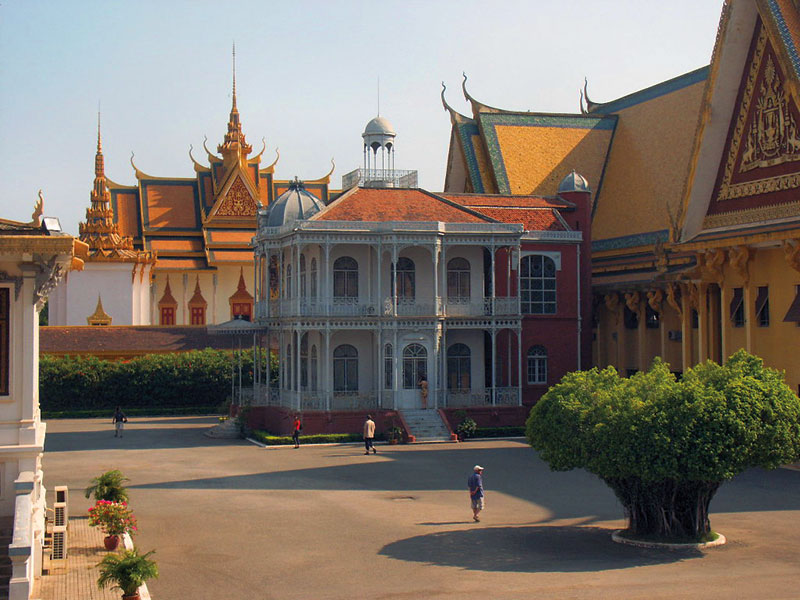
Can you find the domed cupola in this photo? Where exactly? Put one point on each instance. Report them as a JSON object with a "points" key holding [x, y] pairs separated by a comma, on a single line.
{"points": [[294, 204], [379, 133], [573, 183]]}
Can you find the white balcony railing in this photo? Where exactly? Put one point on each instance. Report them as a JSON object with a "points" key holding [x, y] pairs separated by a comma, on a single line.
{"points": [[373, 399], [357, 307]]}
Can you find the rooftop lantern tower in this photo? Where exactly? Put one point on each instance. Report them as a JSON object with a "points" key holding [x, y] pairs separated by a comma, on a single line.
{"points": [[379, 153]]}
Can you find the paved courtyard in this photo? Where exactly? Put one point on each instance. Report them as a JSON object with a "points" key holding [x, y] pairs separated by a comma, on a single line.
{"points": [[232, 520]]}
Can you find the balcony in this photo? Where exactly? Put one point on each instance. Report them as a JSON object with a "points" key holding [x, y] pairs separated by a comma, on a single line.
{"points": [[373, 399], [357, 307]]}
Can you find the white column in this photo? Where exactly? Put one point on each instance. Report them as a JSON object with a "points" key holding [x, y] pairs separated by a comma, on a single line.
{"points": [[326, 269], [494, 355], [396, 377], [328, 361], [435, 279], [493, 293], [394, 277]]}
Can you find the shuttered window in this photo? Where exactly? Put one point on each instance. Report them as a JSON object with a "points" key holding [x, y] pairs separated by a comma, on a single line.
{"points": [[737, 308]]}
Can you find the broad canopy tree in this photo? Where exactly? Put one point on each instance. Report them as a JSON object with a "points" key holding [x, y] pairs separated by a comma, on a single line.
{"points": [[665, 446]]}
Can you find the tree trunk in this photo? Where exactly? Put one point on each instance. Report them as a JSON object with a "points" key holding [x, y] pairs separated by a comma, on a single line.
{"points": [[667, 508]]}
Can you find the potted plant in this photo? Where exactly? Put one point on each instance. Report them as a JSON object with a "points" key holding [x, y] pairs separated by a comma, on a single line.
{"points": [[108, 486], [126, 571], [114, 519], [466, 428], [394, 434]]}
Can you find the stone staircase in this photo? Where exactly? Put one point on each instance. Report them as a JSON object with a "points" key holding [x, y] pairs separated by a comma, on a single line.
{"points": [[426, 425], [6, 533]]}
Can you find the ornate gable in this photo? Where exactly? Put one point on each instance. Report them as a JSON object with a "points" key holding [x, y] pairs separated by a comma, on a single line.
{"points": [[760, 167], [237, 201]]}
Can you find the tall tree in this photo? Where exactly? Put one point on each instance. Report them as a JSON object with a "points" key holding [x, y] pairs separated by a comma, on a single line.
{"points": [[665, 446]]}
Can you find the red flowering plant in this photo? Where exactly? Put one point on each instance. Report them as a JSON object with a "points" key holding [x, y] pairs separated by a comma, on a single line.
{"points": [[113, 518]]}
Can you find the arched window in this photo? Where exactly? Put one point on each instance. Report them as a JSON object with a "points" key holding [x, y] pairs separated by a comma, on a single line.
{"points": [[415, 365], [304, 362], [345, 278], [314, 369], [405, 278], [458, 280], [537, 364], [303, 289], [458, 367], [388, 367], [345, 369], [313, 282], [538, 285]]}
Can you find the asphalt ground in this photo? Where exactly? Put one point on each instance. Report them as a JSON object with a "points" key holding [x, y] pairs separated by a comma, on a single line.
{"points": [[231, 520]]}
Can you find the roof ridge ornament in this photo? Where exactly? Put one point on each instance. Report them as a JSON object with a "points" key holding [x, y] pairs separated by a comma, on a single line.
{"points": [[590, 106], [211, 156]]}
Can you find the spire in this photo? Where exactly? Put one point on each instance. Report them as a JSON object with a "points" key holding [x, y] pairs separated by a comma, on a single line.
{"points": [[234, 145], [100, 231]]}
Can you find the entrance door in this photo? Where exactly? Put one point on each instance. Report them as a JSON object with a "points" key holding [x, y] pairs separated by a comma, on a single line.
{"points": [[415, 368]]}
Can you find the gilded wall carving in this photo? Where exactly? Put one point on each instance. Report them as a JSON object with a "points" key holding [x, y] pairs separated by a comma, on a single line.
{"points": [[238, 202], [772, 137]]}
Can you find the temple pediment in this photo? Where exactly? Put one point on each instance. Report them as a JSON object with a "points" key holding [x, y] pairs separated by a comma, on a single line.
{"points": [[237, 201]]}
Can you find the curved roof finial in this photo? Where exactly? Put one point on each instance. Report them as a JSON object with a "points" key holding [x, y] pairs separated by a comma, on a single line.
{"points": [[582, 107], [139, 174], [464, 87], [211, 157], [277, 158], [444, 102], [326, 179], [257, 157], [197, 165], [589, 104]]}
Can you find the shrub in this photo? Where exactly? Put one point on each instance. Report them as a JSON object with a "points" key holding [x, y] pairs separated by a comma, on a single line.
{"points": [[467, 428], [495, 432], [319, 438], [178, 380], [108, 486], [127, 571], [113, 518]]}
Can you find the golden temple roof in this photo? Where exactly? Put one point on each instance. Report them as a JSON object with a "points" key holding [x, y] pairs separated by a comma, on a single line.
{"points": [[99, 316]]}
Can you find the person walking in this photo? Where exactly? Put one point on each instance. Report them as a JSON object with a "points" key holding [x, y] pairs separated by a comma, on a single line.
{"points": [[369, 435], [296, 427], [119, 420], [475, 484]]}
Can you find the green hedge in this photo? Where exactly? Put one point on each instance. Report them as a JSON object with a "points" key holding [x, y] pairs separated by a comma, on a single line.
{"points": [[319, 438], [200, 378], [492, 432], [135, 412]]}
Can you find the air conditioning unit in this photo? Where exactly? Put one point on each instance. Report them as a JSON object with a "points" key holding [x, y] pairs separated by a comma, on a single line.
{"points": [[675, 335], [60, 511], [59, 543]]}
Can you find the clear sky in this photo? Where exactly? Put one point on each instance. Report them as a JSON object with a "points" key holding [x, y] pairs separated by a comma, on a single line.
{"points": [[307, 75]]}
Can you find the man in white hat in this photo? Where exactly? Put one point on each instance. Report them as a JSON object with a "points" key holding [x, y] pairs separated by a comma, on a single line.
{"points": [[475, 484]]}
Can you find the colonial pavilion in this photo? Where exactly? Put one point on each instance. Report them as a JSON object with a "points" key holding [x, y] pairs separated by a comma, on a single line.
{"points": [[482, 297]]}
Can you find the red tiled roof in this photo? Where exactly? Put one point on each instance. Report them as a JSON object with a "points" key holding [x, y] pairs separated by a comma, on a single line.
{"points": [[496, 200], [371, 204], [532, 219], [127, 341]]}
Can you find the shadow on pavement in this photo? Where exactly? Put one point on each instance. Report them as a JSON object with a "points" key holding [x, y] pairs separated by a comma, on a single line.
{"points": [[135, 438], [530, 550], [516, 471]]}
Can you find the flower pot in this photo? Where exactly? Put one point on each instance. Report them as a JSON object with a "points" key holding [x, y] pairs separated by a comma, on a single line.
{"points": [[111, 542], [131, 597]]}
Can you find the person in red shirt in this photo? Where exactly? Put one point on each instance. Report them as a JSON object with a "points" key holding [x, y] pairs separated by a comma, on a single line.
{"points": [[298, 425]]}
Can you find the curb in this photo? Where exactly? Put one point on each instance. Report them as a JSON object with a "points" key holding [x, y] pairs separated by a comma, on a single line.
{"points": [[619, 539]]}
